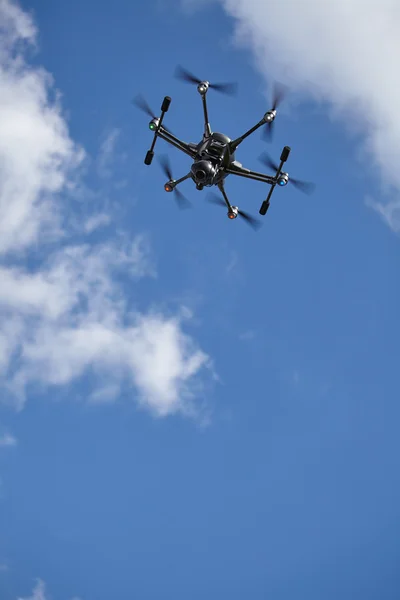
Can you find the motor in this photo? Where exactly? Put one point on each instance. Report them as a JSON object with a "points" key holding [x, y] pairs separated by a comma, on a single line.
{"points": [[283, 179], [233, 212]]}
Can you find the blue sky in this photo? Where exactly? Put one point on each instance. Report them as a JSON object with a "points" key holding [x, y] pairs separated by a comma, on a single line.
{"points": [[190, 408]]}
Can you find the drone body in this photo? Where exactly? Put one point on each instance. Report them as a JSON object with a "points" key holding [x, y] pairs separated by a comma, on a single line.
{"points": [[214, 156]]}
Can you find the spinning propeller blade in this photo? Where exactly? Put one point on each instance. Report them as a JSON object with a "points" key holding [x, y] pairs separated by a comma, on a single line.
{"points": [[224, 88], [166, 166], [280, 91], [214, 199], [268, 131], [252, 221], [268, 162], [142, 104], [307, 187], [181, 200], [304, 186], [278, 96], [185, 75]]}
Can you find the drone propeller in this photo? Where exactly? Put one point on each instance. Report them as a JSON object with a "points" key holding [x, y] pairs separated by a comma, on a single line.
{"points": [[252, 221], [142, 104], [304, 186], [181, 200], [278, 96], [224, 88]]}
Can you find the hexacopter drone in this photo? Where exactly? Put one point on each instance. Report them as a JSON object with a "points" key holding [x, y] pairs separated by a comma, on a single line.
{"points": [[214, 156]]}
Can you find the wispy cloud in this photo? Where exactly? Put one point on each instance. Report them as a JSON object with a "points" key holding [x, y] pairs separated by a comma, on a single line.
{"points": [[70, 311], [389, 211], [7, 441], [343, 52], [232, 263], [247, 335], [107, 151], [38, 592], [96, 222]]}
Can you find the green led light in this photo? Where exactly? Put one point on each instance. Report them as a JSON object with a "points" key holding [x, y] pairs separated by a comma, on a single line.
{"points": [[152, 126]]}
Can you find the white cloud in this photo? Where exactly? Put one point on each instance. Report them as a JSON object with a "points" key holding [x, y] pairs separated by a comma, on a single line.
{"points": [[96, 222], [347, 50], [7, 441], [107, 153], [36, 152], [38, 593], [71, 317], [389, 211], [17, 26], [72, 311]]}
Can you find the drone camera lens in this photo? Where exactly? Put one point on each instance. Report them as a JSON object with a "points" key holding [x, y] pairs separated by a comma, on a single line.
{"points": [[200, 174]]}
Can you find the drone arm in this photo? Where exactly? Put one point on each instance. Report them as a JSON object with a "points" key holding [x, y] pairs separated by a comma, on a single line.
{"points": [[222, 190], [242, 172], [176, 142], [235, 143], [207, 128], [178, 181]]}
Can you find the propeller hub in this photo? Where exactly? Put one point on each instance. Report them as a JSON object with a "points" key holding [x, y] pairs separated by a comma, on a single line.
{"points": [[233, 213], [203, 87], [283, 179], [270, 116], [153, 124], [169, 186]]}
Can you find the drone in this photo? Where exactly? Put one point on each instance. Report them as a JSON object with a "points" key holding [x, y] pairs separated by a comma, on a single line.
{"points": [[214, 156]]}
